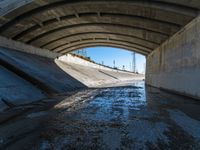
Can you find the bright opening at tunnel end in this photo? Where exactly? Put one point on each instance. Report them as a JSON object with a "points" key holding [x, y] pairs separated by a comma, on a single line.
{"points": [[115, 57]]}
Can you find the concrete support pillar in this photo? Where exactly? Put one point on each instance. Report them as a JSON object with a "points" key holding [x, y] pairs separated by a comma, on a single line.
{"points": [[175, 65]]}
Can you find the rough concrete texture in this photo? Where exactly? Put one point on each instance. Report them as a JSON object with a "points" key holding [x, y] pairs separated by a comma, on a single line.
{"points": [[8, 43], [43, 69], [175, 65], [8, 5], [16, 90], [63, 26]]}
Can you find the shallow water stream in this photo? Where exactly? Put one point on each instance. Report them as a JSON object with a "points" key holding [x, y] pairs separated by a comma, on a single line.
{"points": [[126, 117]]}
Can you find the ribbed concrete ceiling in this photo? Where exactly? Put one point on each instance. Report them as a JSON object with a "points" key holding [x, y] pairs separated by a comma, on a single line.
{"points": [[66, 25]]}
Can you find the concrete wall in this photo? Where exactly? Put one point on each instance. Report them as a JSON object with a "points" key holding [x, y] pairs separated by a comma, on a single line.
{"points": [[8, 43], [92, 74], [73, 59], [16, 90], [68, 58], [175, 65], [8, 5], [42, 69]]}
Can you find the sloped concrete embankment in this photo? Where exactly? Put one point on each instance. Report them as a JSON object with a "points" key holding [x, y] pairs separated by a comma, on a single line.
{"points": [[91, 74], [175, 65], [26, 78]]}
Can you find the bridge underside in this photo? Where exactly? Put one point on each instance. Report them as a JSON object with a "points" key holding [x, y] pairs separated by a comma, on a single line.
{"points": [[166, 31], [41, 106], [62, 26]]}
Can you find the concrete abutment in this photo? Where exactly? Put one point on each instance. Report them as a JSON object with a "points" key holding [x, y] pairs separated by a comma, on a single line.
{"points": [[53, 29], [175, 65]]}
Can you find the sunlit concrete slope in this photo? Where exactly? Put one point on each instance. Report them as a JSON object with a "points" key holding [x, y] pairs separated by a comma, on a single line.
{"points": [[91, 74], [62, 26]]}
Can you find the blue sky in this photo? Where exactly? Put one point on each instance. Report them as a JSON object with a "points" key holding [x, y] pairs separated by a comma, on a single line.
{"points": [[121, 57]]}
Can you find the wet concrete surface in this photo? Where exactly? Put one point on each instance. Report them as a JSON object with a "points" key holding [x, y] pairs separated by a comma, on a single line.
{"points": [[125, 117]]}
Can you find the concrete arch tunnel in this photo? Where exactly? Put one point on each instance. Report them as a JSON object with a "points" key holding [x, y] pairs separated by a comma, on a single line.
{"points": [[140, 25], [156, 29]]}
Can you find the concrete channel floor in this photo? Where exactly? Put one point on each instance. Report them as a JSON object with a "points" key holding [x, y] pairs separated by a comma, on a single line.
{"points": [[125, 117]]}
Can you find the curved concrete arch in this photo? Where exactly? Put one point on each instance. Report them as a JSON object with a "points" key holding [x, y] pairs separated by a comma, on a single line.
{"points": [[166, 5], [48, 23], [130, 20], [192, 4], [170, 27], [163, 10], [104, 44], [102, 39], [53, 34], [56, 42], [29, 5], [9, 6], [79, 37]]}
